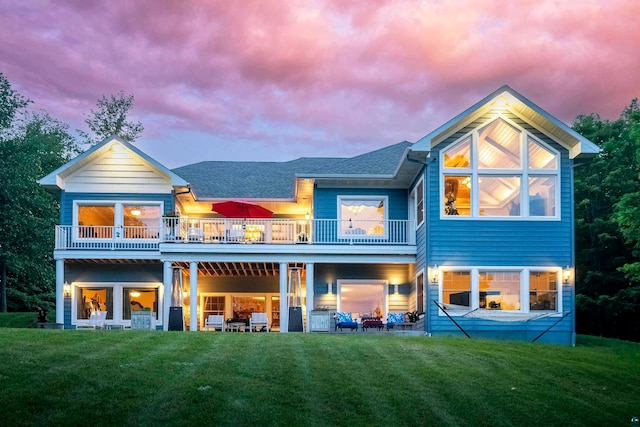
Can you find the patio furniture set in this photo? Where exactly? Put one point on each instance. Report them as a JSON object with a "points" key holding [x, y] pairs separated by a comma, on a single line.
{"points": [[396, 321]]}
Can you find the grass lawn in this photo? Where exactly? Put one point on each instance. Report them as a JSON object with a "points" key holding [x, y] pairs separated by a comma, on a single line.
{"points": [[57, 377]]}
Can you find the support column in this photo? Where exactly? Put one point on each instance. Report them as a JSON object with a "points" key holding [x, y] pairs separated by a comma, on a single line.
{"points": [[310, 293], [167, 276], [284, 299], [59, 291], [193, 296]]}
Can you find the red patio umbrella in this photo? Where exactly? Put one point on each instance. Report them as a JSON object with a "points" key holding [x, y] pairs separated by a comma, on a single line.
{"points": [[233, 209]]}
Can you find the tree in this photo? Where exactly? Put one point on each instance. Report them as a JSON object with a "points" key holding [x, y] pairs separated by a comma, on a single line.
{"points": [[627, 211], [600, 185], [110, 118], [11, 102], [30, 148]]}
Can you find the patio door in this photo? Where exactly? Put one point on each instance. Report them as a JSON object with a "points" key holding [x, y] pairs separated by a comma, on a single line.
{"points": [[363, 297]]}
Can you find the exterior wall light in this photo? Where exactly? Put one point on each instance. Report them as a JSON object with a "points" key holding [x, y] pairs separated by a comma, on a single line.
{"points": [[566, 275], [329, 288], [67, 289], [395, 289], [435, 273]]}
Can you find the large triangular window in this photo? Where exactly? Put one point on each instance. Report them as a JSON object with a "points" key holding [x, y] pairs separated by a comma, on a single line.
{"points": [[500, 170]]}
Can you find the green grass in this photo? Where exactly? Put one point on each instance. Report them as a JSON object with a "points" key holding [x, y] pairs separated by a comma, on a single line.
{"points": [[56, 377]]}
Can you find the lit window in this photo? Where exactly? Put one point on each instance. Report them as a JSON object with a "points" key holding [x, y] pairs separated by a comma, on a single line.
{"points": [[456, 289], [141, 222], [96, 221], [362, 216], [94, 299], [139, 299], [491, 173], [543, 290], [459, 156], [118, 220], [499, 290]]}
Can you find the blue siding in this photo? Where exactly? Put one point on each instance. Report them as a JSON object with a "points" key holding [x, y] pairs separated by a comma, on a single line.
{"points": [[501, 242], [562, 333], [325, 201], [67, 199], [495, 242]]}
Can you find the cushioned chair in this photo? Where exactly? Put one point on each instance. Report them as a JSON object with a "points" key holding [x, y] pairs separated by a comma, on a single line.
{"points": [[258, 320], [344, 320], [214, 322], [393, 319]]}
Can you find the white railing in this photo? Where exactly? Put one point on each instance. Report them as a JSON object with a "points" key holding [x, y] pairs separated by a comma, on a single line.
{"points": [[232, 230]]}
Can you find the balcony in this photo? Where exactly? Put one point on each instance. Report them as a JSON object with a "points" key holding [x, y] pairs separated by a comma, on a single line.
{"points": [[271, 231]]}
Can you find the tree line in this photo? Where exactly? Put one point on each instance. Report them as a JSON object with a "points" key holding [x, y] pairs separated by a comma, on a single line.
{"points": [[33, 144], [607, 207]]}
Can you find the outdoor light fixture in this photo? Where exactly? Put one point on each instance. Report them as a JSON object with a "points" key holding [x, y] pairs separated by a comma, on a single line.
{"points": [[434, 274], [395, 289], [329, 288], [67, 289], [307, 216], [566, 275]]}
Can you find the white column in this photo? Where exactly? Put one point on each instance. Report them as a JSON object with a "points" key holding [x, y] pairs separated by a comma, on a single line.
{"points": [[166, 280], [193, 296], [59, 291], [309, 285], [284, 299]]}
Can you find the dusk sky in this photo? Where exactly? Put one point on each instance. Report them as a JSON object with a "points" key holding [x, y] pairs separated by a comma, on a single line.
{"points": [[277, 80]]}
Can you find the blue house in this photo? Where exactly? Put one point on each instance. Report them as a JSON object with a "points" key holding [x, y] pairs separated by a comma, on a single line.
{"points": [[469, 228]]}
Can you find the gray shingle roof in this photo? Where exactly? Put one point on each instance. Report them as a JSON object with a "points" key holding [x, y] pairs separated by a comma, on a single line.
{"points": [[276, 180]]}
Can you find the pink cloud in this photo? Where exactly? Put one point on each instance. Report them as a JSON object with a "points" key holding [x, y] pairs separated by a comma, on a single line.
{"points": [[324, 76]]}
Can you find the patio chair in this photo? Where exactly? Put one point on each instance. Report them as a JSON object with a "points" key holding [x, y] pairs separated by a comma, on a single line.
{"points": [[97, 319], [344, 320], [393, 319], [258, 320], [214, 322]]}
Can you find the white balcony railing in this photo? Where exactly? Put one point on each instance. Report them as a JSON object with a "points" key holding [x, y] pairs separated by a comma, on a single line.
{"points": [[232, 230]]}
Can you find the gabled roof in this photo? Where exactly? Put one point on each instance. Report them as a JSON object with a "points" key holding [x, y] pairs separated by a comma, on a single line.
{"points": [[507, 99], [55, 180]]}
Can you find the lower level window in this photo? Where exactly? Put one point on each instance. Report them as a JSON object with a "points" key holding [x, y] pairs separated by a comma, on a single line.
{"points": [[509, 290], [543, 290], [456, 288], [499, 290], [139, 299], [95, 299]]}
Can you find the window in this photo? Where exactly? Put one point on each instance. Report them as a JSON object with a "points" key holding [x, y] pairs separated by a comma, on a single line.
{"points": [[543, 290], [500, 170], [106, 220], [139, 299], [500, 289], [417, 196], [94, 299], [362, 216], [363, 298], [420, 293], [456, 289]]}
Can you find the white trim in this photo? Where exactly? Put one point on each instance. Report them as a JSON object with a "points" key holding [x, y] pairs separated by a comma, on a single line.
{"points": [[524, 271], [117, 289], [385, 290], [413, 202], [425, 288], [118, 212], [523, 172], [374, 197]]}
